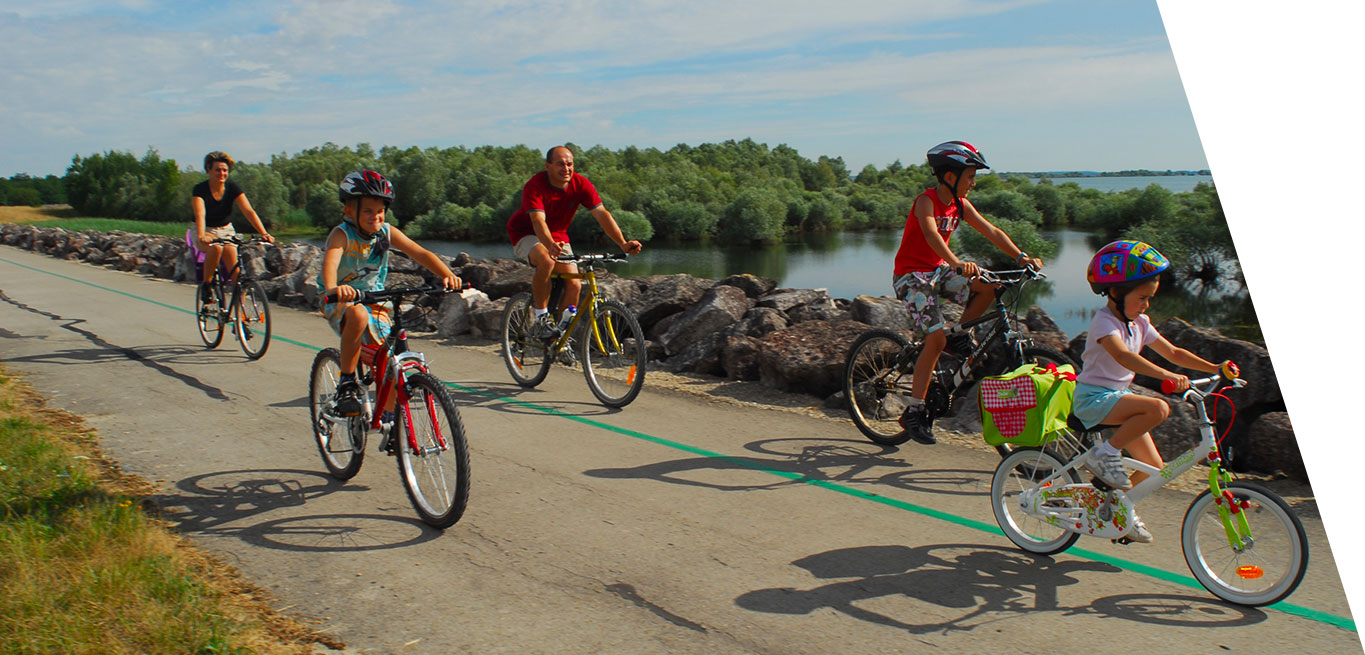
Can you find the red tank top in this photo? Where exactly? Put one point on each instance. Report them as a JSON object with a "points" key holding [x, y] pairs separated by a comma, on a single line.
{"points": [[915, 253]]}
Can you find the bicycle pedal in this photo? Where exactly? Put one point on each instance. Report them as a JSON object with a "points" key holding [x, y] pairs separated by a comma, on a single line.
{"points": [[1122, 541]]}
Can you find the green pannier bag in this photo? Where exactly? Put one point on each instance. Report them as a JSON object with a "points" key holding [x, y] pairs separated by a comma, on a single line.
{"points": [[1027, 406]]}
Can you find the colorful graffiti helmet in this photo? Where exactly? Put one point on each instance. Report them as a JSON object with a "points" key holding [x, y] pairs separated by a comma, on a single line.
{"points": [[955, 155], [1124, 262], [360, 184]]}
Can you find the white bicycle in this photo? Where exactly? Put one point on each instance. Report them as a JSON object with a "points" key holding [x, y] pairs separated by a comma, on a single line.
{"points": [[1242, 542]]}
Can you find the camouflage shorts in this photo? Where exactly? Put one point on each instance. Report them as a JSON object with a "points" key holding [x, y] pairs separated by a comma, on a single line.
{"points": [[920, 291]]}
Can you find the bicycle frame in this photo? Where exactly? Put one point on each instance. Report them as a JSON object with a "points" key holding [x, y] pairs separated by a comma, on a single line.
{"points": [[589, 309], [1238, 531], [382, 361]]}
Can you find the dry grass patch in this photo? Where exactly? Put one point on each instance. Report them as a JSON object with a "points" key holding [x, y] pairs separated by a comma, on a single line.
{"points": [[86, 570]]}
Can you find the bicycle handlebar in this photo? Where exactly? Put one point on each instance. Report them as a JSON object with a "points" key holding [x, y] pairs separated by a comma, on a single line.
{"points": [[236, 242], [366, 297], [1168, 387], [1012, 276], [601, 257]]}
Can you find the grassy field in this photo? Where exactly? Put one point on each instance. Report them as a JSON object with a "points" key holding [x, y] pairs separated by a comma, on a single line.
{"points": [[65, 217], [85, 568]]}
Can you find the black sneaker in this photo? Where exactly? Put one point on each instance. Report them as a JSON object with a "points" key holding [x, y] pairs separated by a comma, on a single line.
{"points": [[916, 421], [205, 293], [347, 399]]}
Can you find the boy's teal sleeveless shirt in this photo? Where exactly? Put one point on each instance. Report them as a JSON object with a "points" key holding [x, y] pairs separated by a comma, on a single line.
{"points": [[363, 265]]}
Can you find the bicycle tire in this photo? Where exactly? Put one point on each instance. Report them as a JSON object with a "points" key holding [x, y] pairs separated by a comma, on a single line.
{"points": [[1260, 574], [207, 318], [1017, 472], [527, 358], [251, 312], [436, 473], [870, 379], [342, 459], [612, 350]]}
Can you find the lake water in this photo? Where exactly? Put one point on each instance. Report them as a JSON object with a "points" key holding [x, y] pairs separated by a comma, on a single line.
{"points": [[1174, 183]]}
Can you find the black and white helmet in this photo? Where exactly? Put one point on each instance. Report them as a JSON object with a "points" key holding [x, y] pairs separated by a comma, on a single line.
{"points": [[360, 184], [956, 155]]}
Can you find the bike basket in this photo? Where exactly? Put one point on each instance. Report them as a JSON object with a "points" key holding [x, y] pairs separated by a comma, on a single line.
{"points": [[1027, 406], [198, 255]]}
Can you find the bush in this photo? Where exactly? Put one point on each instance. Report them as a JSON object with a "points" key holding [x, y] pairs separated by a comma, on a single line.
{"points": [[1023, 233], [448, 222], [682, 219], [323, 205], [1008, 205], [755, 216]]}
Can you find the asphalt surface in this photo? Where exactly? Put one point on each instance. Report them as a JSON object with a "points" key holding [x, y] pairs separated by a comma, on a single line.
{"points": [[680, 524]]}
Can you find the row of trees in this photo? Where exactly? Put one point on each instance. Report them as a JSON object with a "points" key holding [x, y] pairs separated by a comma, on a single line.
{"points": [[735, 192], [23, 190]]}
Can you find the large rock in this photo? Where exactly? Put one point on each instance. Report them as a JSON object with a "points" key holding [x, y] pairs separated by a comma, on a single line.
{"points": [[479, 273], [739, 357], [880, 312], [453, 316], [666, 294], [485, 319], [752, 285], [807, 357], [760, 321], [1270, 446], [1263, 387], [1043, 330], [508, 282], [787, 299], [701, 356], [718, 308]]}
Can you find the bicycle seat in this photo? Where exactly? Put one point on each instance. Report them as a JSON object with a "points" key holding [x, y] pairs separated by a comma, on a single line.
{"points": [[1076, 426]]}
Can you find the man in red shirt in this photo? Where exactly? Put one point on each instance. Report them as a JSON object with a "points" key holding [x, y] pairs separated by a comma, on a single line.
{"points": [[539, 230]]}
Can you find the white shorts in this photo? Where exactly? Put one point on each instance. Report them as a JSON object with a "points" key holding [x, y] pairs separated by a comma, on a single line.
{"points": [[523, 248]]}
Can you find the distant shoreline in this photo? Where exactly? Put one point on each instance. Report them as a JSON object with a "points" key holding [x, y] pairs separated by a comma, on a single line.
{"points": [[1137, 173]]}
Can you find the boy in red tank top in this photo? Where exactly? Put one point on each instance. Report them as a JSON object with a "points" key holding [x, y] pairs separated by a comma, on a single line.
{"points": [[926, 269]]}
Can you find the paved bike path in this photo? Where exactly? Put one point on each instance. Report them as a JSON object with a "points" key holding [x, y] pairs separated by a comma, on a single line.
{"points": [[676, 525]]}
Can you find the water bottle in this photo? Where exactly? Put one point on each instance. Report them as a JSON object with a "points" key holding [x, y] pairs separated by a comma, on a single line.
{"points": [[568, 317]]}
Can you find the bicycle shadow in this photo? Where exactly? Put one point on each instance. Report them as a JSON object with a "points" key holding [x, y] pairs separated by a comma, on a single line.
{"points": [[987, 584], [215, 504], [805, 460]]}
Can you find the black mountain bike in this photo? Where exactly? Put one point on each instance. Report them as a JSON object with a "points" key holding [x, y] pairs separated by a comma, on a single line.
{"points": [[240, 304], [879, 372]]}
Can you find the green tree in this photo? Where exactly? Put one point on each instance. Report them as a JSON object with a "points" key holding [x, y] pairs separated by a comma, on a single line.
{"points": [[323, 205], [264, 188], [755, 216]]}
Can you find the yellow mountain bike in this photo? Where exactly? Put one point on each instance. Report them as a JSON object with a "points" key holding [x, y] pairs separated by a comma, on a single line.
{"points": [[604, 336]]}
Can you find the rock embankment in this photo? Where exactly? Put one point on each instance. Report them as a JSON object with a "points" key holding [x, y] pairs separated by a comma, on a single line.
{"points": [[740, 328]]}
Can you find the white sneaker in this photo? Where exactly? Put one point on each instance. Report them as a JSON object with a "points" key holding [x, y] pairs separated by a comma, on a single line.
{"points": [[1108, 468], [1139, 532], [545, 327]]}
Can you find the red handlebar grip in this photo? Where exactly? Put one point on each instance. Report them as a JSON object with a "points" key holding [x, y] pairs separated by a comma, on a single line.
{"points": [[1168, 386]]}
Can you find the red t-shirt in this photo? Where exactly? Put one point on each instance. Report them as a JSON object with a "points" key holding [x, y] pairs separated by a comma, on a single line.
{"points": [[915, 253], [559, 205]]}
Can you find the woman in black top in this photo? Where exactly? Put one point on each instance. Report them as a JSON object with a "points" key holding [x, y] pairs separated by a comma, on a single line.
{"points": [[212, 201]]}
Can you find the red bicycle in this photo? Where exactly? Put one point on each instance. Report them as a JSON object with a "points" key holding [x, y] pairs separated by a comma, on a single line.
{"points": [[427, 435]]}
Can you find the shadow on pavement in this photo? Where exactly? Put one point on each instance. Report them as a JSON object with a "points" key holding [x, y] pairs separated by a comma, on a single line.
{"points": [[985, 584]]}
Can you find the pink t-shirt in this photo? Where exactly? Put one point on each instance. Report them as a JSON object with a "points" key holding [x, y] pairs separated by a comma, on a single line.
{"points": [[1100, 369], [915, 253], [559, 205]]}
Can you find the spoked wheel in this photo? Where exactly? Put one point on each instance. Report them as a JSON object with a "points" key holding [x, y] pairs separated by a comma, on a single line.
{"points": [[1266, 570], [433, 458], [526, 357], [252, 314], [1017, 473], [875, 389], [207, 316], [340, 440], [612, 349]]}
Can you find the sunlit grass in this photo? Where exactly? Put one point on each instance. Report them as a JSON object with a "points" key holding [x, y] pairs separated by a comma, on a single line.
{"points": [[85, 570]]}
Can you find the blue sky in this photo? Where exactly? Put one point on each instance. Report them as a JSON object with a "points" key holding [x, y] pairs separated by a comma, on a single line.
{"points": [[1037, 85]]}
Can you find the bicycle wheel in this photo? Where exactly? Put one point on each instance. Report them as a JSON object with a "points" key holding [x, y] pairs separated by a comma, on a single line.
{"points": [[340, 440], [612, 349], [433, 459], [526, 357], [252, 314], [1017, 473], [875, 389], [207, 317], [1266, 571]]}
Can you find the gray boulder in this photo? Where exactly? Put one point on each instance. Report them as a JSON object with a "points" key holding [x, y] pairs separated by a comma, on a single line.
{"points": [[719, 307]]}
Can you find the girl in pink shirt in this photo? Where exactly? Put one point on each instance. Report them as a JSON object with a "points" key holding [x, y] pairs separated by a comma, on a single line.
{"points": [[1126, 274]]}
